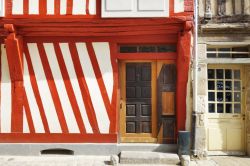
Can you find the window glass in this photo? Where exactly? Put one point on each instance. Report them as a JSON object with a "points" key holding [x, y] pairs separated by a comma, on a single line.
{"points": [[219, 74], [128, 49], [211, 74], [224, 91], [147, 48]]}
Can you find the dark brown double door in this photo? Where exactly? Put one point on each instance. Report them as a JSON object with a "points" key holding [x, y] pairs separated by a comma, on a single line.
{"points": [[148, 91]]}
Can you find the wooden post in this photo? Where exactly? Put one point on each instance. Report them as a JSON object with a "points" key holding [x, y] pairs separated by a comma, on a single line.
{"points": [[182, 64], [14, 52]]}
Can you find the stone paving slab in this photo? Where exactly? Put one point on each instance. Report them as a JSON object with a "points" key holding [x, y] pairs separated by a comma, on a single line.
{"points": [[54, 160], [137, 157]]}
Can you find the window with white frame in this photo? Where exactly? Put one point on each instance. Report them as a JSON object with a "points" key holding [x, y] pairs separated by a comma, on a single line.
{"points": [[228, 52], [224, 90]]}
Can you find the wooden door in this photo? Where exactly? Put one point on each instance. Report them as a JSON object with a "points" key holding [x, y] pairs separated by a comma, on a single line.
{"points": [[138, 117], [166, 86], [226, 114]]}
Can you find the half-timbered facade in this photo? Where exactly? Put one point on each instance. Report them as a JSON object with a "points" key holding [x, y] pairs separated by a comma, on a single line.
{"points": [[94, 71]]}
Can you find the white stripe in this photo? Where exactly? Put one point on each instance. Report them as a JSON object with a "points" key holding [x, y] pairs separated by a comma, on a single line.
{"points": [[76, 88], [25, 123], [5, 94], [92, 7], [79, 7], [178, 6], [43, 87], [63, 7], [102, 52], [17, 7], [34, 110], [61, 89], [50, 7], [95, 94], [33, 6]]}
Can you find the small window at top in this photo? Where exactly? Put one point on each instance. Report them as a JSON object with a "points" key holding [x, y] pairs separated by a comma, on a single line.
{"points": [[156, 48], [228, 52]]}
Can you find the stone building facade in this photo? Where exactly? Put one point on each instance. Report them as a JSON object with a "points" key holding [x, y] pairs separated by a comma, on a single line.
{"points": [[221, 122]]}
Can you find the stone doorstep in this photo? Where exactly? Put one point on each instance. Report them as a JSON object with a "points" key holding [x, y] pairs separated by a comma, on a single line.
{"points": [[139, 157]]}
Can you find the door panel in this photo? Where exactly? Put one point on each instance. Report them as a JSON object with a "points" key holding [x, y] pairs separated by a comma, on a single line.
{"points": [[138, 97], [166, 85]]}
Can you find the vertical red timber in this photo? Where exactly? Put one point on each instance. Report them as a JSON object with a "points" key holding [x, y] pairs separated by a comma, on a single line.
{"points": [[14, 50], [183, 62]]}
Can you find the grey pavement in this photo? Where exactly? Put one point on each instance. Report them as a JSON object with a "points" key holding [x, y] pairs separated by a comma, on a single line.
{"points": [[64, 160], [50, 160], [222, 161]]}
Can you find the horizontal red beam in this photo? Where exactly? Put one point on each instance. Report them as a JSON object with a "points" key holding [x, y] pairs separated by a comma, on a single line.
{"points": [[147, 56], [170, 39], [96, 22], [57, 138]]}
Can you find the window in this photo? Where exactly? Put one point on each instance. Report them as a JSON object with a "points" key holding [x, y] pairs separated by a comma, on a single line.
{"points": [[147, 48], [224, 90], [228, 52]]}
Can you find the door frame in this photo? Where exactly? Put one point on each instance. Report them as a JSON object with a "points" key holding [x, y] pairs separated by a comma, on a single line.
{"points": [[144, 137], [243, 110]]}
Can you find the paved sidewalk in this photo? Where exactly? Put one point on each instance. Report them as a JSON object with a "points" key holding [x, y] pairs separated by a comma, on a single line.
{"points": [[222, 161], [50, 160]]}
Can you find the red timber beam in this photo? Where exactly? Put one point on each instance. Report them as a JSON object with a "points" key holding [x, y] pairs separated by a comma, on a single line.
{"points": [[184, 47], [14, 49]]}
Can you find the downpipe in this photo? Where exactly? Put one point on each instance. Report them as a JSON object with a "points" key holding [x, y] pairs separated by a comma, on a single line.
{"points": [[195, 81]]}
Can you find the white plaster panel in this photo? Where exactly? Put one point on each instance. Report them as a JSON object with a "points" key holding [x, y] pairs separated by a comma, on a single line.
{"points": [[151, 5], [102, 52], [79, 7], [25, 123], [50, 7], [92, 7], [178, 6], [63, 7], [34, 7], [94, 90], [2, 8], [17, 7], [34, 110], [119, 5], [5, 112]]}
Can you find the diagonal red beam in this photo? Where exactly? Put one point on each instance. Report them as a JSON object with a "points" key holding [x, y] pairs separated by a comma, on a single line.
{"points": [[84, 88], [69, 88], [52, 87]]}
